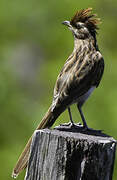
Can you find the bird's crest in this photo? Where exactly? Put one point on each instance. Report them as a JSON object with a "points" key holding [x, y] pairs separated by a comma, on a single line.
{"points": [[86, 17]]}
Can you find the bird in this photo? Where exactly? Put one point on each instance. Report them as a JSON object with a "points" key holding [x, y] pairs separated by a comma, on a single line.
{"points": [[80, 75]]}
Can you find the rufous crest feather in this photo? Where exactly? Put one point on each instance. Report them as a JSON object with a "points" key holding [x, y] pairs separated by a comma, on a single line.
{"points": [[86, 17]]}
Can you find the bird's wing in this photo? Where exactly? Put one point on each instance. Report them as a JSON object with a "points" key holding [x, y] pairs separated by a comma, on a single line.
{"points": [[77, 76]]}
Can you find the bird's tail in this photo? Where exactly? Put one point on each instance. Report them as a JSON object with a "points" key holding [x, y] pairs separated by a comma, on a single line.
{"points": [[46, 122]]}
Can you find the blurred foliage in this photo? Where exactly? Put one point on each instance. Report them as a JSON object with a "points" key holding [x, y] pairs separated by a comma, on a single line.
{"points": [[33, 48]]}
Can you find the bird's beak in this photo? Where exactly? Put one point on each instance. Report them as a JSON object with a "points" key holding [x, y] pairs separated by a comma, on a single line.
{"points": [[66, 23]]}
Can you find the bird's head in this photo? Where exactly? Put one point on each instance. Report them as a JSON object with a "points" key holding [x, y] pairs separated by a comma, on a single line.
{"points": [[83, 24]]}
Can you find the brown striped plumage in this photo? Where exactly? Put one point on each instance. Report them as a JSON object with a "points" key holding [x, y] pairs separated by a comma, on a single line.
{"points": [[81, 73]]}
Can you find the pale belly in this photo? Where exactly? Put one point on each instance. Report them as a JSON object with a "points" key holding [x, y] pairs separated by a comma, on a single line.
{"points": [[84, 97], [79, 101]]}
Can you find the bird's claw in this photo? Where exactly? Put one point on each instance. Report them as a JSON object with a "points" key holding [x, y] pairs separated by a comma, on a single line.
{"points": [[72, 127]]}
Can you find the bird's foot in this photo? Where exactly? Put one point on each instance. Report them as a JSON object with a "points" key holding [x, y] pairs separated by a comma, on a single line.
{"points": [[65, 126], [87, 129], [92, 130], [72, 127], [69, 124]]}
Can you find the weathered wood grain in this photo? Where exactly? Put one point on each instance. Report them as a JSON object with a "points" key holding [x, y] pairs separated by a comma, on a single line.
{"points": [[60, 155]]}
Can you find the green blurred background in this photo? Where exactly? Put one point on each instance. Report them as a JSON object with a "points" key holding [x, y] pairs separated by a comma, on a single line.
{"points": [[33, 48]]}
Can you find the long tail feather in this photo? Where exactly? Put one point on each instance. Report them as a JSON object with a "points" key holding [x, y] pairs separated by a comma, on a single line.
{"points": [[21, 164]]}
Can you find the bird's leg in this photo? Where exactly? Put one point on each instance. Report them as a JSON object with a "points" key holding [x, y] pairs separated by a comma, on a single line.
{"points": [[82, 117], [70, 115], [85, 126], [69, 126], [66, 126], [72, 124]]}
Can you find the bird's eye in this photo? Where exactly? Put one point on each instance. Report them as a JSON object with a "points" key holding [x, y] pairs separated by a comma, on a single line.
{"points": [[79, 26]]}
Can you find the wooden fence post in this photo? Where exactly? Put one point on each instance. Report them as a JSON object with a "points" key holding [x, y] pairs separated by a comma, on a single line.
{"points": [[61, 155]]}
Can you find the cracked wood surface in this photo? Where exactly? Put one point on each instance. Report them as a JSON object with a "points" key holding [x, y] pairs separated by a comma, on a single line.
{"points": [[61, 155]]}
